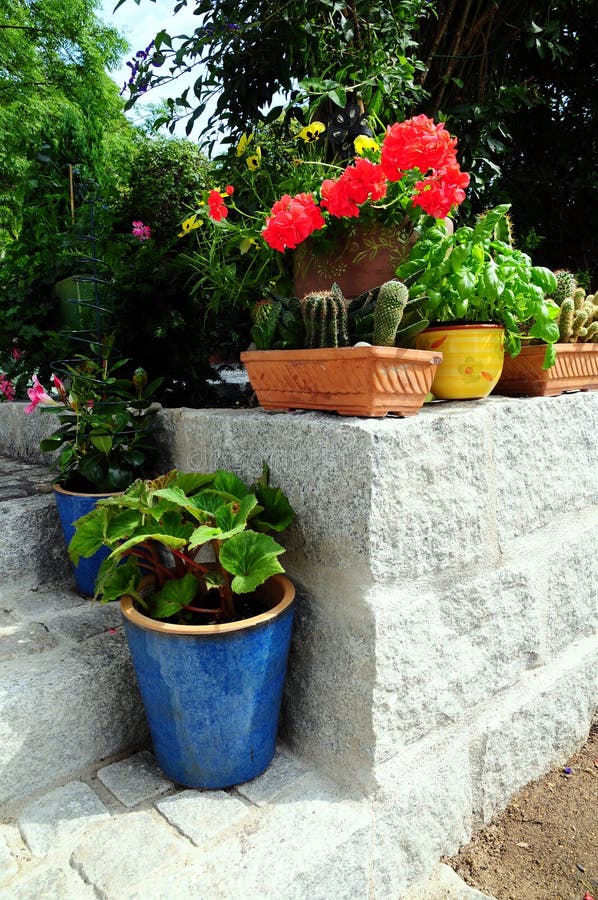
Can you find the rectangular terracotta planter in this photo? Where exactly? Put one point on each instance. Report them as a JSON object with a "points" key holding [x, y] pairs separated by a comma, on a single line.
{"points": [[575, 369], [353, 381]]}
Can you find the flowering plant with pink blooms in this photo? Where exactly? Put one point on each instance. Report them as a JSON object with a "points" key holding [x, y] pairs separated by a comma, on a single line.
{"points": [[106, 437]]}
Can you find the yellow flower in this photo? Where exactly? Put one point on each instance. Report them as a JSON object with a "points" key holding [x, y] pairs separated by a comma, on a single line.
{"points": [[311, 132], [189, 224], [244, 143], [254, 162], [363, 142], [246, 244]]}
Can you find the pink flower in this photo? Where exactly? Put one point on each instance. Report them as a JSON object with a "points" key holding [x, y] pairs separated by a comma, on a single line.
{"points": [[141, 231], [37, 394], [7, 388]]}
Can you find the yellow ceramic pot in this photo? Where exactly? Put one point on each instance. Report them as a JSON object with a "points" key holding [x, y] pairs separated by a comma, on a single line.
{"points": [[472, 359]]}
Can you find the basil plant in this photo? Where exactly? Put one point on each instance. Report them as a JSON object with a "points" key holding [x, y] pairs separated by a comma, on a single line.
{"points": [[477, 275]]}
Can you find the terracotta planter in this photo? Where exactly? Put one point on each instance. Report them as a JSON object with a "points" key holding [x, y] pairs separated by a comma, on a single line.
{"points": [[575, 369], [353, 381], [356, 262], [472, 361]]}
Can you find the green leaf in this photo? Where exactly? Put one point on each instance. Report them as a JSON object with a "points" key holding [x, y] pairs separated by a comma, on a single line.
{"points": [[277, 512], [251, 558], [51, 443], [233, 517], [115, 581], [89, 534], [141, 537], [203, 534], [544, 278], [123, 524], [172, 495], [102, 442], [190, 482], [230, 483], [549, 357], [173, 596]]}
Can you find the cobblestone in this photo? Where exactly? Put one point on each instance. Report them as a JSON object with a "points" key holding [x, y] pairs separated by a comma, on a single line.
{"points": [[201, 815], [135, 779], [61, 816]]}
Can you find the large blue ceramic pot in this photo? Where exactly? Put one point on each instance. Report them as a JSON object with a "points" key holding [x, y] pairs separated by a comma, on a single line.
{"points": [[71, 506], [212, 693]]}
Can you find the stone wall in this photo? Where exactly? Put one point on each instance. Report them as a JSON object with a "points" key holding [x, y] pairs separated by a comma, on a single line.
{"points": [[446, 648]]}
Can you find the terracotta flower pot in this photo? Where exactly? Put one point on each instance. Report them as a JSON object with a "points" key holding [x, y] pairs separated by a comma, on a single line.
{"points": [[575, 369], [353, 381], [472, 361], [356, 261]]}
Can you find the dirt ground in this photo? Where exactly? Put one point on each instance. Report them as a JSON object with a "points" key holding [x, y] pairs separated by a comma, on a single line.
{"points": [[544, 846]]}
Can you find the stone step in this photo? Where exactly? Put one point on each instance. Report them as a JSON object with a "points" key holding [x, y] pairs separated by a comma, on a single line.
{"points": [[32, 543], [68, 694]]}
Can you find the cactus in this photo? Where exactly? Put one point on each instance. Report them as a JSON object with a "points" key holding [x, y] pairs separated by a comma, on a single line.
{"points": [[325, 318], [503, 230], [277, 323], [565, 320], [390, 305], [578, 318], [565, 285]]}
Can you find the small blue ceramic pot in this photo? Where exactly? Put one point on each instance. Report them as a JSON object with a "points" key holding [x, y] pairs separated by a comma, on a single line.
{"points": [[212, 693], [71, 506]]}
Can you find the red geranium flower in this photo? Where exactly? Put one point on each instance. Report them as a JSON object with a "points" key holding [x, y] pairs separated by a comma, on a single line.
{"points": [[418, 143], [359, 182], [216, 206], [291, 220], [438, 193]]}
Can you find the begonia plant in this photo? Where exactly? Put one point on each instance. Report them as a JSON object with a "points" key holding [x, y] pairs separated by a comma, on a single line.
{"points": [[158, 530]]}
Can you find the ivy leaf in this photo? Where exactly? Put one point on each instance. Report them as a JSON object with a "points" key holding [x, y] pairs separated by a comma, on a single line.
{"points": [[251, 558], [174, 595]]}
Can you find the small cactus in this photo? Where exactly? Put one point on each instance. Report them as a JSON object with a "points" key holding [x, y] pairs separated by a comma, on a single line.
{"points": [[578, 318], [390, 305], [565, 285], [325, 318]]}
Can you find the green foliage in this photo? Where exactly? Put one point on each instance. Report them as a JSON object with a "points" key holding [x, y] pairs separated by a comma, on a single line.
{"points": [[106, 437], [179, 514], [471, 276], [249, 52]]}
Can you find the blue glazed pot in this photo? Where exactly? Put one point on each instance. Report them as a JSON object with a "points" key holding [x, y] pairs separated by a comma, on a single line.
{"points": [[212, 693], [71, 506]]}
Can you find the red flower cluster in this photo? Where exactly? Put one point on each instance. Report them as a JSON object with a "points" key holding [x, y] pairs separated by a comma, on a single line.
{"points": [[437, 194], [417, 143], [7, 388], [360, 182], [292, 220], [417, 147], [216, 206]]}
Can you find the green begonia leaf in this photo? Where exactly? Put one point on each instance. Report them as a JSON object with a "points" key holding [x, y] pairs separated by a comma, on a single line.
{"points": [[251, 558], [141, 537], [89, 535], [202, 535], [173, 596], [229, 483], [123, 525]]}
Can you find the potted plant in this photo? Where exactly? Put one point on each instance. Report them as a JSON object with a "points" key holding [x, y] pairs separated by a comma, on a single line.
{"points": [[479, 293], [209, 634], [345, 220], [329, 353], [576, 365], [105, 440]]}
